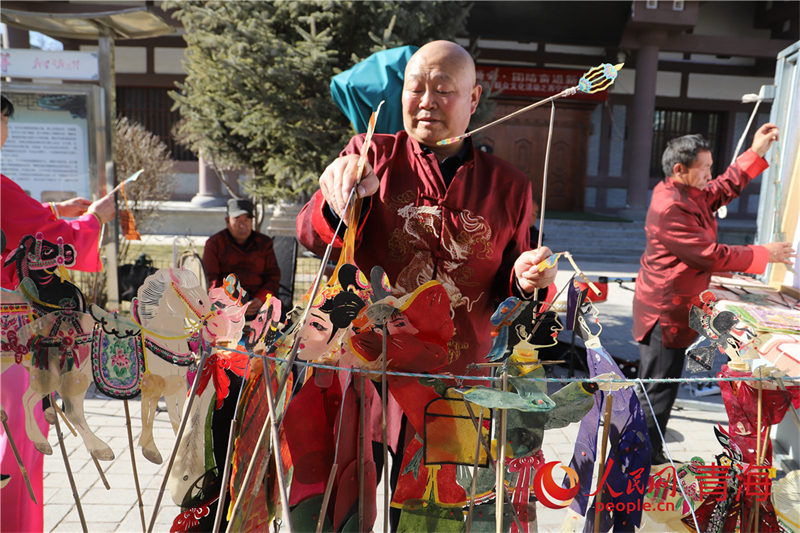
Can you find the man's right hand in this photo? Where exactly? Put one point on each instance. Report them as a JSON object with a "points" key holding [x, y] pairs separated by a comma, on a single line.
{"points": [[780, 252], [338, 180]]}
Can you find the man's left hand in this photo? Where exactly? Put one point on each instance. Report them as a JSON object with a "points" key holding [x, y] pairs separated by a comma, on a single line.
{"points": [[527, 273], [764, 137]]}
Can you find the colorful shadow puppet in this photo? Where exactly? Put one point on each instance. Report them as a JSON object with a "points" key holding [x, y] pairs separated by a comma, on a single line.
{"points": [[195, 479], [437, 473]]}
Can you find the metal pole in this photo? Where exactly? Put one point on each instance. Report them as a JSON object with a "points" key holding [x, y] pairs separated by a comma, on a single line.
{"points": [[501, 467], [206, 351], [105, 67]]}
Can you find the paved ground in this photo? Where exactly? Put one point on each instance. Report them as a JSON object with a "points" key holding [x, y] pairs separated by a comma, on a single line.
{"points": [[689, 433], [117, 510]]}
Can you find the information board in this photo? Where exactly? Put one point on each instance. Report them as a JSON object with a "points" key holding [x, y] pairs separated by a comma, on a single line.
{"points": [[51, 151]]}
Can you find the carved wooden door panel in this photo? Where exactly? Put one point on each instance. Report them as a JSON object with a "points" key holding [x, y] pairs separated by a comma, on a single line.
{"points": [[522, 141]]}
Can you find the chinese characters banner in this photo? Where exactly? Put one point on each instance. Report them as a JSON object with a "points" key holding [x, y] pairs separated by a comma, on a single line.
{"points": [[533, 82], [29, 63]]}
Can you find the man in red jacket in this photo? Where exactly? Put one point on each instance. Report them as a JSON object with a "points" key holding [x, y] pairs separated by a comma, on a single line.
{"points": [[240, 250], [448, 213], [681, 254]]}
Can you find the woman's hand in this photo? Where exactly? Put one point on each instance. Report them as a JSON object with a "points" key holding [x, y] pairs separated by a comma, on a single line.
{"points": [[104, 208], [72, 208]]}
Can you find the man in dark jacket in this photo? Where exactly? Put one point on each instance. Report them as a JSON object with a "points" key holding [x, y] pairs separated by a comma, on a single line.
{"points": [[240, 250]]}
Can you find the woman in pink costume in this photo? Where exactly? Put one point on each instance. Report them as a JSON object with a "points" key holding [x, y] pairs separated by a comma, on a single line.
{"points": [[21, 215]]}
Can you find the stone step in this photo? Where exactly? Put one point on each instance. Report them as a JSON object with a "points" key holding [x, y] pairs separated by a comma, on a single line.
{"points": [[588, 240]]}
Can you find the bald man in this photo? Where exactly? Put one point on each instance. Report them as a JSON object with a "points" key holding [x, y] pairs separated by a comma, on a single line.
{"points": [[450, 213]]}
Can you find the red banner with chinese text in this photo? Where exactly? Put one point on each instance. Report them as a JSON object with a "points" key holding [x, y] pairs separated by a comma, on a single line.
{"points": [[533, 82]]}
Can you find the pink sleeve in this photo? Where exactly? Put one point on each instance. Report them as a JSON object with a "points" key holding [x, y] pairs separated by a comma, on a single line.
{"points": [[22, 215]]}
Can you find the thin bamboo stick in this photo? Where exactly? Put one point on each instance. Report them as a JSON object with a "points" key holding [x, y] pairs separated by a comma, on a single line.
{"points": [[20, 464], [133, 465], [362, 415], [181, 428], [72, 485], [474, 485], [602, 466], [501, 466], [488, 448], [226, 470], [384, 430]]}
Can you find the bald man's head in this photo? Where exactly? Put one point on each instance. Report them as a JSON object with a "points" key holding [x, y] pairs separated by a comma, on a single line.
{"points": [[439, 94]]}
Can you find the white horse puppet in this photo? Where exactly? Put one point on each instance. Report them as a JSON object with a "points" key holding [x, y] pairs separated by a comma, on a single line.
{"points": [[177, 320], [201, 452]]}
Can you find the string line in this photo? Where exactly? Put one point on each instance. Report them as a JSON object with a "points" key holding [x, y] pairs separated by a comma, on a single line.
{"points": [[669, 455], [469, 377]]}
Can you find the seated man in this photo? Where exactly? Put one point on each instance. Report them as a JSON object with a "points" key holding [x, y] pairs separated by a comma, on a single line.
{"points": [[239, 250]]}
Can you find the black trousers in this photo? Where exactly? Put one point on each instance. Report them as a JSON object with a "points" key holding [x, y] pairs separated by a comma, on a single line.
{"points": [[656, 361], [394, 473]]}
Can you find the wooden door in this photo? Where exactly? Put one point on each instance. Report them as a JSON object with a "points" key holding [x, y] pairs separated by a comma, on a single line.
{"points": [[522, 141]]}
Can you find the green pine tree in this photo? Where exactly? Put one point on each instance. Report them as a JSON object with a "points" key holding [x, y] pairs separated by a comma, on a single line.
{"points": [[257, 91]]}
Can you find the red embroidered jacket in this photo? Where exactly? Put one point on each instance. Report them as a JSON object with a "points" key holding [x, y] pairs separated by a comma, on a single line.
{"points": [[467, 235], [682, 251], [253, 262]]}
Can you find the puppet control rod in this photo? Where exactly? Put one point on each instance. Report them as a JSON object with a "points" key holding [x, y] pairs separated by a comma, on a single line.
{"points": [[594, 80]]}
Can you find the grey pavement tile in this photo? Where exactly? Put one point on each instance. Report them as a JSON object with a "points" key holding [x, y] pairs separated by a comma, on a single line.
{"points": [[54, 515], [558, 439], [58, 496], [71, 523], [63, 494], [56, 479], [121, 465], [108, 513], [119, 496], [121, 481], [106, 433], [79, 465], [105, 527], [166, 505], [132, 523]]}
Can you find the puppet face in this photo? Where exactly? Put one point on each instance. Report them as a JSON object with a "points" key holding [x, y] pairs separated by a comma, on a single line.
{"points": [[400, 324], [316, 337], [439, 94]]}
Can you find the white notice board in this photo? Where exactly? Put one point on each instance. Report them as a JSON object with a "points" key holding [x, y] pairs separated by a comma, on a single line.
{"points": [[53, 148]]}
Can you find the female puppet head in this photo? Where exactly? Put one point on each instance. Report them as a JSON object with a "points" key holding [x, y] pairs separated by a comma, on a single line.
{"points": [[332, 311]]}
